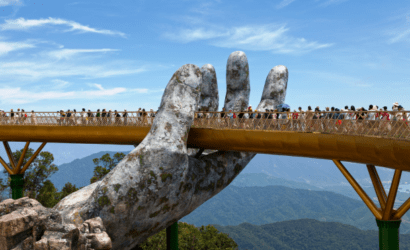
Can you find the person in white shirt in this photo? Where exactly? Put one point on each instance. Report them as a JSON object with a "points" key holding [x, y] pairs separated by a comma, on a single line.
{"points": [[83, 117], [33, 118], [345, 117], [17, 115]]}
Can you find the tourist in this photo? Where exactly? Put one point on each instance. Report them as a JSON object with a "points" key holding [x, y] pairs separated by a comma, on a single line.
{"points": [[230, 117], [83, 117], [62, 117], [327, 123], [371, 118], [109, 117], [308, 121], [90, 115], [224, 117], [125, 115], [33, 118], [2, 117], [385, 125], [68, 118], [400, 120], [151, 116], [144, 117], [103, 117], [75, 118], [344, 117], [18, 116], [117, 115], [295, 116], [23, 117], [139, 116], [97, 117], [315, 119]]}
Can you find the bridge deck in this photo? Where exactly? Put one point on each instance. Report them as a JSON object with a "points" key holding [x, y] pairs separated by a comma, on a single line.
{"points": [[377, 142]]}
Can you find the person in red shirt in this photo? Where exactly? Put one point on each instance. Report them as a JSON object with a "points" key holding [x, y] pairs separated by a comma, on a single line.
{"points": [[385, 125], [295, 116]]}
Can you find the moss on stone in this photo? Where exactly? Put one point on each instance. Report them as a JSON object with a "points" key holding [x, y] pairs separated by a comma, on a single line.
{"points": [[141, 160], [237, 169], [168, 127], [152, 174], [104, 201], [166, 208], [164, 176], [132, 195], [193, 177], [117, 187], [163, 199], [154, 214], [112, 210], [161, 168], [176, 204], [140, 208], [187, 187]]}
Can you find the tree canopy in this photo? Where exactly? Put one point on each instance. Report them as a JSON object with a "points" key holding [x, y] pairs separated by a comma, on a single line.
{"points": [[108, 165]]}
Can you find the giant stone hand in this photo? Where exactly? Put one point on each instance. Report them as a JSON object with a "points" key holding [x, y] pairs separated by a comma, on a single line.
{"points": [[158, 182]]}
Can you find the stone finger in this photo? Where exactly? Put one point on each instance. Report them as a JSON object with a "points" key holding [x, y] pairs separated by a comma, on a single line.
{"points": [[274, 91], [209, 89], [237, 82]]}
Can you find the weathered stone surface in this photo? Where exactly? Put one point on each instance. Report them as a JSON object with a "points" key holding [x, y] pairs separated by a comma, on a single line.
{"points": [[31, 226], [209, 89], [238, 87], [274, 92], [156, 184]]}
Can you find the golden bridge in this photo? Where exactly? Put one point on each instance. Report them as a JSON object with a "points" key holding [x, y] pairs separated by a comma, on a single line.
{"points": [[379, 142]]}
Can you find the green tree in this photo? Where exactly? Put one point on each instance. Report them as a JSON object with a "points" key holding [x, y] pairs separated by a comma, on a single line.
{"points": [[36, 174], [48, 195], [109, 164], [66, 190], [190, 237], [2, 188]]}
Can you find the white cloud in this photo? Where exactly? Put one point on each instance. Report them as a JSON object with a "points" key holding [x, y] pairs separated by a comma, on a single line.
{"points": [[68, 53], [190, 35], [258, 38], [329, 2], [23, 24], [6, 47], [334, 78], [398, 34], [22, 96], [284, 3], [9, 2], [34, 71], [59, 83]]}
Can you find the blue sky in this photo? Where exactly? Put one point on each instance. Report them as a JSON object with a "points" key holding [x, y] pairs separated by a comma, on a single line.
{"points": [[121, 54]]}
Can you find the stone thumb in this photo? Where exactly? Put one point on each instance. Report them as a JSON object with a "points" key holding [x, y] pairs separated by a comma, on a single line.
{"points": [[179, 102]]}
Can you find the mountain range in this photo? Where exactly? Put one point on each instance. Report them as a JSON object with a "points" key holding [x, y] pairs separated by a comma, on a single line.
{"points": [[275, 192]]}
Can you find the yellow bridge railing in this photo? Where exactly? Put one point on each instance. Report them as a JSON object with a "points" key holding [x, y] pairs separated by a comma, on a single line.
{"points": [[385, 124]]}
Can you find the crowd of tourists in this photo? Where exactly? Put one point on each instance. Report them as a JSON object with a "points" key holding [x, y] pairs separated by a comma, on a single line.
{"points": [[335, 119], [79, 118]]}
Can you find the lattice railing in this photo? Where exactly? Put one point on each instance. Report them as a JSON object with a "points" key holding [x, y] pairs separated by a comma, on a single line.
{"points": [[389, 124]]}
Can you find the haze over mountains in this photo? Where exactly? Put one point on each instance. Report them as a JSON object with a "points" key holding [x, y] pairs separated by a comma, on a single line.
{"points": [[306, 196]]}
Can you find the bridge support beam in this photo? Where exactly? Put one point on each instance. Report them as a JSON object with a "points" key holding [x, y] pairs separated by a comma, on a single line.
{"points": [[172, 237], [16, 171], [388, 219]]}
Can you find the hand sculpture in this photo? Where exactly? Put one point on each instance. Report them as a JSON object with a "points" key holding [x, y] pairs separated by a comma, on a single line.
{"points": [[158, 182]]}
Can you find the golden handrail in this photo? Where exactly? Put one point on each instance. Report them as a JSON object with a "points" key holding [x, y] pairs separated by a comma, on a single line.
{"points": [[366, 123]]}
